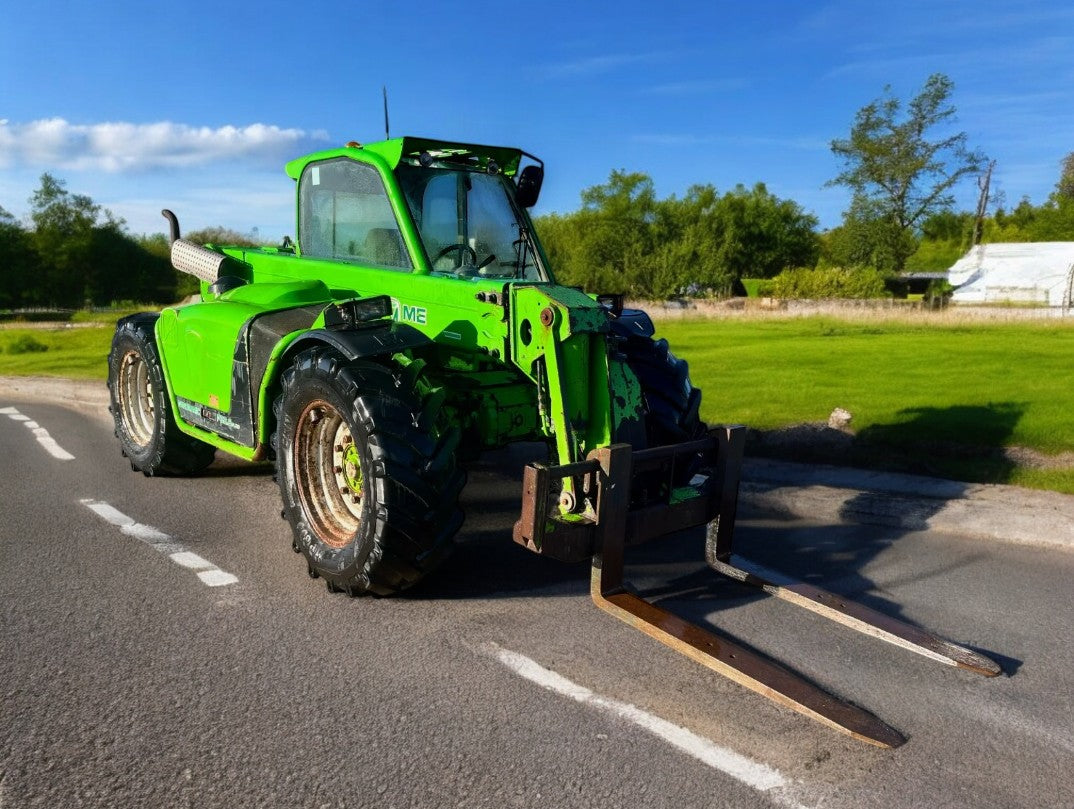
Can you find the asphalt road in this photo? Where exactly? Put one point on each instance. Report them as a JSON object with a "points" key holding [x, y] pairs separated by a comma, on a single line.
{"points": [[197, 665]]}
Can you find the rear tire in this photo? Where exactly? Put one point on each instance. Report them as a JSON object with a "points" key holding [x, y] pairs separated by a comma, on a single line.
{"points": [[141, 408], [672, 403], [366, 471]]}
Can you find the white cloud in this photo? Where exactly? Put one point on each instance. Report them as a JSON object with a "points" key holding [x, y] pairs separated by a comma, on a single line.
{"points": [[813, 144], [127, 147], [699, 86], [600, 64]]}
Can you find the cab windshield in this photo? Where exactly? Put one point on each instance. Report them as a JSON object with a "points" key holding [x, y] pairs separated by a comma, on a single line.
{"points": [[469, 224]]}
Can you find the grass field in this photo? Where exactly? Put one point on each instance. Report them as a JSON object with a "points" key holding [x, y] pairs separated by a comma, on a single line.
{"points": [[951, 394], [76, 350], [926, 396], [77, 353]]}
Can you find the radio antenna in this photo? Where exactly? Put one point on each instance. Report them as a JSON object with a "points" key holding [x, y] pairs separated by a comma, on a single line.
{"points": [[387, 135]]}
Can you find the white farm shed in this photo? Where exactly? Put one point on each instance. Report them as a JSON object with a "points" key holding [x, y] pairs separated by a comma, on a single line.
{"points": [[1028, 272]]}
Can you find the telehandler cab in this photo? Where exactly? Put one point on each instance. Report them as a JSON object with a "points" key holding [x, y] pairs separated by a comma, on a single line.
{"points": [[414, 324]]}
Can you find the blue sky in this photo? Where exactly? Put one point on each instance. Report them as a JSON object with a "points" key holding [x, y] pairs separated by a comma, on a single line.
{"points": [[197, 105]]}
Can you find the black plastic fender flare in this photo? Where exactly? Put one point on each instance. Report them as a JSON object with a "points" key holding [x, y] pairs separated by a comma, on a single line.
{"points": [[363, 342], [360, 343]]}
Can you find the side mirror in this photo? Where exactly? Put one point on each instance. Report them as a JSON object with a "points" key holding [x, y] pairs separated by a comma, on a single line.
{"points": [[529, 186]]}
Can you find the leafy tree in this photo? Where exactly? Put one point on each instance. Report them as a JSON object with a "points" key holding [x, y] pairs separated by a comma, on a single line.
{"points": [[1052, 221], [762, 235], [617, 219], [945, 237], [63, 233], [19, 262], [687, 245], [85, 255], [55, 209], [899, 171], [1055, 219], [219, 236], [624, 239], [126, 271], [867, 239], [1015, 225], [948, 226], [1064, 189], [627, 196]]}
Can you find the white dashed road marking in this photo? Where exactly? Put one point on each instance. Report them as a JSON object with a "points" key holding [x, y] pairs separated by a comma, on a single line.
{"points": [[755, 774], [40, 433], [209, 573]]}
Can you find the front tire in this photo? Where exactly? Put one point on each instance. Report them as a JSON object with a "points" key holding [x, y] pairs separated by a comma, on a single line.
{"points": [[366, 471], [140, 405]]}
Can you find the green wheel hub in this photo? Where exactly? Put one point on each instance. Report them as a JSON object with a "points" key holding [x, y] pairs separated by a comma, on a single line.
{"points": [[350, 466]]}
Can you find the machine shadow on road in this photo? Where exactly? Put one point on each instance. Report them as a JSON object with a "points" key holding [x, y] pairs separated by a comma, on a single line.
{"points": [[486, 563], [228, 466], [964, 442]]}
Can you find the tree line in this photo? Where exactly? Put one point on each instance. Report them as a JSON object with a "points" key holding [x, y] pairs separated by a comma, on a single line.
{"points": [[624, 239], [901, 164], [74, 253], [900, 161]]}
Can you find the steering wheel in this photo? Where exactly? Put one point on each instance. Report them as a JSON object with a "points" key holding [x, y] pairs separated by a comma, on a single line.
{"points": [[462, 250]]}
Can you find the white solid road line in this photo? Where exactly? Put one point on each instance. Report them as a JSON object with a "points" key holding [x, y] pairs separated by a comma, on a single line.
{"points": [[757, 775], [210, 574], [40, 433]]}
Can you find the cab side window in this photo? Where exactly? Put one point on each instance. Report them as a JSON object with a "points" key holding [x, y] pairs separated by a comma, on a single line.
{"points": [[346, 216]]}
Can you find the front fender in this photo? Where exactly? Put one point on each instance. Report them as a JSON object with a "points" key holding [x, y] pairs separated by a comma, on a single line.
{"points": [[363, 342]]}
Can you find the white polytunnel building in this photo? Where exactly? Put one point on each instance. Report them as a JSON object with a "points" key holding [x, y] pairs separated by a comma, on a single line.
{"points": [[1029, 272]]}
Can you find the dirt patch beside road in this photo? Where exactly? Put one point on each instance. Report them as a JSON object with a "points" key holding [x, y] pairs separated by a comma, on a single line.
{"points": [[88, 396]]}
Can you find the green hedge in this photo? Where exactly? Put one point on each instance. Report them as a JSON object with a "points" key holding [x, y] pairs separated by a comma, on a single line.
{"points": [[754, 286], [830, 282]]}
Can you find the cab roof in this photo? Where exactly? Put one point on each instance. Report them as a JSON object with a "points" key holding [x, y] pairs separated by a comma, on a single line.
{"points": [[410, 149]]}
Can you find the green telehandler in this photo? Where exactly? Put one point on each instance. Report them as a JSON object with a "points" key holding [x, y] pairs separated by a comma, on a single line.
{"points": [[414, 324]]}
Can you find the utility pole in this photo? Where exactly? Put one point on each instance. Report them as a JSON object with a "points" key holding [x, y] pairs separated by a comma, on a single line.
{"points": [[982, 204]]}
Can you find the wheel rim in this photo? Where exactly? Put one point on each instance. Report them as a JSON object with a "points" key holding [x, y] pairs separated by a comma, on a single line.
{"points": [[328, 473], [136, 398]]}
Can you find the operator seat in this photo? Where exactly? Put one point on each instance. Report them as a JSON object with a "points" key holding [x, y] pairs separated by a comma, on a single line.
{"points": [[384, 246]]}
